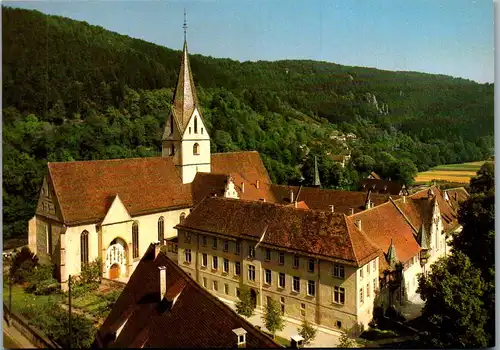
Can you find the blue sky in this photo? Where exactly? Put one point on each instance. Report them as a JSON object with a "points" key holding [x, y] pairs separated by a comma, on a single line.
{"points": [[453, 37]]}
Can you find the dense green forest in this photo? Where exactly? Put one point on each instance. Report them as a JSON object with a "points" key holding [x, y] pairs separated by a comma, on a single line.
{"points": [[73, 91]]}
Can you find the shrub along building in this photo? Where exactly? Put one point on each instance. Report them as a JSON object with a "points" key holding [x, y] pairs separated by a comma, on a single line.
{"points": [[113, 209], [162, 307]]}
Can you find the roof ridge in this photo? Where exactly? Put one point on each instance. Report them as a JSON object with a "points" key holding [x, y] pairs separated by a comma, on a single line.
{"points": [[107, 160], [218, 153], [350, 239], [403, 214]]}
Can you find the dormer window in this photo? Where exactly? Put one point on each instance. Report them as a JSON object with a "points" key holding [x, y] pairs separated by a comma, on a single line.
{"points": [[195, 125], [196, 149]]}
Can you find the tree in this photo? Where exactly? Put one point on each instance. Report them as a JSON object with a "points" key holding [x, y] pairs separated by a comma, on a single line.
{"points": [[273, 318], [454, 312], [23, 265], [484, 181], [307, 331], [346, 342], [245, 305]]}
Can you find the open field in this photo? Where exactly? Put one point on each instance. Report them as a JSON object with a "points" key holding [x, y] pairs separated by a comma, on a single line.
{"points": [[458, 173]]}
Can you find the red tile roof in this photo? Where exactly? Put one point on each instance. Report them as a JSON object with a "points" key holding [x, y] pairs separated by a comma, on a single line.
{"points": [[197, 319], [299, 205], [384, 223], [330, 235], [84, 189]]}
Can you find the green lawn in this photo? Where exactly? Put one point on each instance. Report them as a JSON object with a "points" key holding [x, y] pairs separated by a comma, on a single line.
{"points": [[21, 299], [283, 341]]}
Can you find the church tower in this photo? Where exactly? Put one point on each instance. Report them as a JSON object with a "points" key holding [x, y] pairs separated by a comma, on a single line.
{"points": [[185, 137]]}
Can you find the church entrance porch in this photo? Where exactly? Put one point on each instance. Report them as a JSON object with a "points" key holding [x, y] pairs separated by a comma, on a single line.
{"points": [[116, 259]]}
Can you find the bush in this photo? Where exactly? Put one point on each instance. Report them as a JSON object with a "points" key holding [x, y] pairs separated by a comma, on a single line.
{"points": [[23, 265], [91, 272], [41, 281], [78, 289], [346, 342]]}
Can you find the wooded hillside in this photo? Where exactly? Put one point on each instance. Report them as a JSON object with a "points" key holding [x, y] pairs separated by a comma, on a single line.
{"points": [[73, 91]]}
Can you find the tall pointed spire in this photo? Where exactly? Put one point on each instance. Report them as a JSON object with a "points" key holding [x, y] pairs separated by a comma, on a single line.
{"points": [[317, 183], [391, 255], [185, 99]]}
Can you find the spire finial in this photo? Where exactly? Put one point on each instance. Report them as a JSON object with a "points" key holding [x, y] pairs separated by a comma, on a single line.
{"points": [[185, 25]]}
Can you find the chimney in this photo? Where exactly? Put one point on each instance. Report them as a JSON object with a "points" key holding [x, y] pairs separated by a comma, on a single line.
{"points": [[242, 187], [352, 211], [358, 223], [163, 281], [241, 337], [332, 208], [257, 184], [291, 196]]}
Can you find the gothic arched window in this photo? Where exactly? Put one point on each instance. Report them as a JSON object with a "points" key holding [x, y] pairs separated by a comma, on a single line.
{"points": [[195, 125], [84, 247], [196, 149], [135, 240], [182, 217], [161, 229]]}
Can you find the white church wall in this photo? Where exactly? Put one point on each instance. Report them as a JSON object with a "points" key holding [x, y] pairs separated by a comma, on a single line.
{"points": [[73, 248]]}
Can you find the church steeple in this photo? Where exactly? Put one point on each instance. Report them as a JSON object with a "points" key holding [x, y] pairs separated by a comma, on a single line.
{"points": [[185, 137], [317, 183]]}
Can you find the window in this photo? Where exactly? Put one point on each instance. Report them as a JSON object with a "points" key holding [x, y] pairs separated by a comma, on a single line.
{"points": [[374, 266], [268, 276], [226, 288], [196, 149], [214, 244], [368, 290], [48, 231], [172, 150], [311, 288], [135, 240], [310, 265], [281, 258], [374, 285], [339, 324], [268, 254], [296, 284], [225, 266], [84, 247], [215, 286], [161, 229], [204, 241], [182, 217], [204, 260], [237, 268], [282, 302], [296, 261], [187, 237], [251, 252], [251, 272], [171, 124], [195, 125], [302, 309], [238, 292], [338, 271], [367, 269], [361, 273], [282, 280], [187, 256], [215, 263], [226, 246], [237, 248], [361, 296], [202, 131], [205, 282], [338, 295], [189, 130]]}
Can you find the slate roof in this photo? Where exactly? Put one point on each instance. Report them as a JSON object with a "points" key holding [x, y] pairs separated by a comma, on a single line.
{"points": [[85, 189], [383, 224], [321, 199], [380, 186], [197, 319], [329, 235]]}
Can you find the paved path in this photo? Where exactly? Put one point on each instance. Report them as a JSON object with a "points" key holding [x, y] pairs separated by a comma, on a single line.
{"points": [[13, 339], [325, 338]]}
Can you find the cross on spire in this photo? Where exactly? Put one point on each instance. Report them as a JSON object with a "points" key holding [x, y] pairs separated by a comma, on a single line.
{"points": [[185, 25]]}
